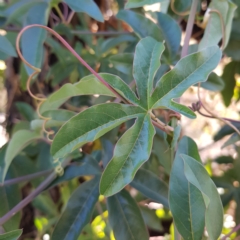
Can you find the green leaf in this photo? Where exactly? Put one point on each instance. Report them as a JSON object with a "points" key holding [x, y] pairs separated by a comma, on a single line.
{"points": [[122, 62], [91, 124], [145, 65], [123, 209], [188, 71], [59, 114], [6, 47], [13, 235], [89, 85], [213, 31], [197, 175], [18, 142], [18, 9], [233, 139], [186, 202], [26, 111], [78, 211], [10, 195], [214, 83], [137, 145], [140, 3], [141, 25], [182, 5], [87, 167], [171, 32], [87, 6], [226, 130], [33, 39], [113, 42], [151, 186], [229, 79]]}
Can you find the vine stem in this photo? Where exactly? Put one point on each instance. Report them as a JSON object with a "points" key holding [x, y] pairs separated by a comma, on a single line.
{"points": [[25, 178], [32, 195], [158, 124], [28, 199], [190, 24]]}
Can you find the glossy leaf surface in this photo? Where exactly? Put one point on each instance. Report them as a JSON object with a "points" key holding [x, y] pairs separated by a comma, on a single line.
{"points": [[88, 6], [188, 71], [18, 142], [13, 235], [90, 125], [151, 186], [137, 143], [123, 209], [145, 65], [78, 211]]}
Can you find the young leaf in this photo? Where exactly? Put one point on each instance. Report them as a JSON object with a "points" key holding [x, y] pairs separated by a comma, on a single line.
{"points": [[13, 235], [186, 202], [145, 65], [131, 151], [188, 71], [88, 6], [140, 3], [141, 25], [151, 186], [78, 211], [123, 209], [6, 47], [197, 175], [18, 142], [91, 124]]}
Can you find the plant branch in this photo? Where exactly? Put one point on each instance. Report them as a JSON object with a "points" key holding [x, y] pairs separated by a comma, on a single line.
{"points": [[157, 122], [215, 115], [28, 199], [235, 229], [190, 24], [60, 14], [32, 195], [26, 178]]}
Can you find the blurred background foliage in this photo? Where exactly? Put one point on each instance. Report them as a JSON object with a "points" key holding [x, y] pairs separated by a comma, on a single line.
{"points": [[105, 35]]}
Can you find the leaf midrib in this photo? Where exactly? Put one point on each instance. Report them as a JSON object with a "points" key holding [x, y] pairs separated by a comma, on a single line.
{"points": [[126, 157], [205, 62]]}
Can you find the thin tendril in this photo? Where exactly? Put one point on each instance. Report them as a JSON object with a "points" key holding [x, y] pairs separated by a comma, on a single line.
{"points": [[215, 115]]}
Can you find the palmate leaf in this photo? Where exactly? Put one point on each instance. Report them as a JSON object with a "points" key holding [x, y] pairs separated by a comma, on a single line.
{"points": [[131, 151], [78, 211], [185, 200], [145, 65], [90, 125], [125, 217], [188, 71]]}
